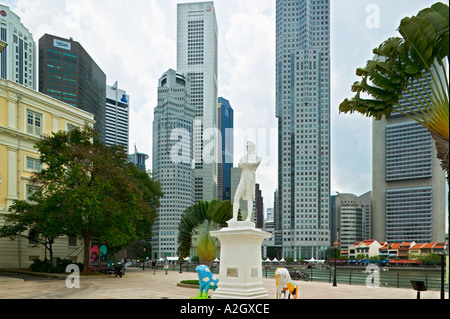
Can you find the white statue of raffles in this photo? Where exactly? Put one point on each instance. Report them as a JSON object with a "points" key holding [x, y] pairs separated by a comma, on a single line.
{"points": [[246, 188]]}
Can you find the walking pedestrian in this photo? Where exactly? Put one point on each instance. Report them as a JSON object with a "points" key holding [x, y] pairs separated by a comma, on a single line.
{"points": [[154, 265], [166, 265]]}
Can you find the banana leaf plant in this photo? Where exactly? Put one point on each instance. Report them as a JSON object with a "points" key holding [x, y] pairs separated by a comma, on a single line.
{"points": [[408, 75], [196, 222]]}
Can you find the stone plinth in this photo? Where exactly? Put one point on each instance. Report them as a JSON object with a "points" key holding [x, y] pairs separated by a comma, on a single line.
{"points": [[240, 270]]}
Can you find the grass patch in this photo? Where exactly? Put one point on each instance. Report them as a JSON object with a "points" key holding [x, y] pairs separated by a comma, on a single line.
{"points": [[190, 282]]}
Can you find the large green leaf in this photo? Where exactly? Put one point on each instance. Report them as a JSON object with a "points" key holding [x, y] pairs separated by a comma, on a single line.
{"points": [[215, 211], [421, 38]]}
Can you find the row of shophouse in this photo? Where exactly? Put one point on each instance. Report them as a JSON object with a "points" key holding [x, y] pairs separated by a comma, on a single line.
{"points": [[393, 251]]}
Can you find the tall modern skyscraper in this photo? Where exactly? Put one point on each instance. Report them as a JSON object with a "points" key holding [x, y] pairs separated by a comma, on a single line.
{"points": [[18, 60], [408, 194], [349, 219], [303, 112], [138, 158], [197, 58], [117, 116], [225, 114], [366, 201], [259, 207], [69, 74], [173, 128]]}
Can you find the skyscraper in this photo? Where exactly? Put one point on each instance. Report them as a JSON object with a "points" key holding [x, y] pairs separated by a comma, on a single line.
{"points": [[349, 219], [173, 128], [69, 74], [138, 158], [408, 194], [226, 131], [303, 112], [366, 200], [18, 60], [259, 207], [117, 116], [197, 58]]}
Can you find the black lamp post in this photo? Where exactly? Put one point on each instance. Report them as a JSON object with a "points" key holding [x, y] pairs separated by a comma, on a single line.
{"points": [[443, 269], [336, 245], [143, 261]]}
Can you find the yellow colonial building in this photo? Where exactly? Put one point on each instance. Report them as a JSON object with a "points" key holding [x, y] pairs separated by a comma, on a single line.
{"points": [[25, 115]]}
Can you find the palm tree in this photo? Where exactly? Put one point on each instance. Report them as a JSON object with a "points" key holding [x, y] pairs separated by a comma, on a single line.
{"points": [[206, 247], [196, 222], [410, 68]]}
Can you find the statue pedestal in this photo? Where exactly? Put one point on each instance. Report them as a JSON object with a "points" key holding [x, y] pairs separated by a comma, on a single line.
{"points": [[240, 270]]}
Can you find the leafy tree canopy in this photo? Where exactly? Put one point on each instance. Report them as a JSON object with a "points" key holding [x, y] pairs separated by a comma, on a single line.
{"points": [[88, 189]]}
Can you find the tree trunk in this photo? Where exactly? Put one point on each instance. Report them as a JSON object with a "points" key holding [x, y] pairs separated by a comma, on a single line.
{"points": [[442, 149], [50, 249], [87, 250], [206, 262]]}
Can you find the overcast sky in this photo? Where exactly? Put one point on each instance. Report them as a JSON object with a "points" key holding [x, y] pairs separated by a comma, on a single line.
{"points": [[134, 42]]}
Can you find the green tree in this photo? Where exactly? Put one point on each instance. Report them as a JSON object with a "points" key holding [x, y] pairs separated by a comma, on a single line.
{"points": [[410, 68], [149, 199], [196, 222], [96, 191], [35, 219]]}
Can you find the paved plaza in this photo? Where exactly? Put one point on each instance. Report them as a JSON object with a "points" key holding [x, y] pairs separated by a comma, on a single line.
{"points": [[142, 284]]}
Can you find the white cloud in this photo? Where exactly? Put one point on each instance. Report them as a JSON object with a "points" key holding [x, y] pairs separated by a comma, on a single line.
{"points": [[134, 42]]}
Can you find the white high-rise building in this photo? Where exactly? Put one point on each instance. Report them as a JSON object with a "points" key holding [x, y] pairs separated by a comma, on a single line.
{"points": [[197, 58], [303, 112], [117, 116], [349, 220], [408, 183], [173, 128], [18, 60]]}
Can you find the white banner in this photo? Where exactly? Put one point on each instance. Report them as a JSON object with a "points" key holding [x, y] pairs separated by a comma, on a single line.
{"points": [[61, 44]]}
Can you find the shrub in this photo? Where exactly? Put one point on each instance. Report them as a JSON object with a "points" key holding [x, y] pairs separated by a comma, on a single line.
{"points": [[45, 265], [190, 282]]}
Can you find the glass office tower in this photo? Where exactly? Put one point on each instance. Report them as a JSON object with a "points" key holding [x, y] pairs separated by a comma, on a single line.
{"points": [[69, 74], [172, 159], [226, 130], [303, 112], [197, 58], [117, 116]]}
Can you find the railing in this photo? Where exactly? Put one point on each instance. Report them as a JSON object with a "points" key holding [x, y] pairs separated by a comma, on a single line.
{"points": [[393, 277], [185, 266], [398, 278]]}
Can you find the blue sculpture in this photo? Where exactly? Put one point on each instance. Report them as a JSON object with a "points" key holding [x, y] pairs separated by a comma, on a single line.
{"points": [[207, 280]]}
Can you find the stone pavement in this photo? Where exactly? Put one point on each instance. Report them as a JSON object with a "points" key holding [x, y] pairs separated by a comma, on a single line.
{"points": [[142, 284]]}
